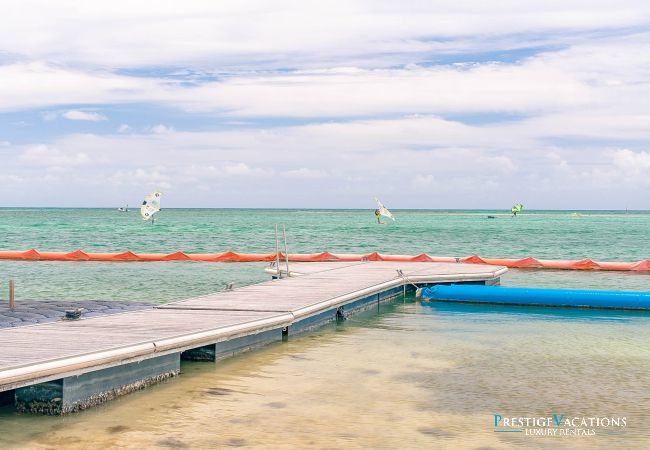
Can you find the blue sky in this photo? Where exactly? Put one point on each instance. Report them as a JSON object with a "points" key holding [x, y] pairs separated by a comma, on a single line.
{"points": [[462, 104]]}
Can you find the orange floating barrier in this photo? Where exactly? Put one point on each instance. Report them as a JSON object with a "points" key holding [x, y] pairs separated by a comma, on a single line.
{"points": [[32, 255], [345, 257], [53, 256], [475, 259], [230, 256], [77, 256], [422, 257], [244, 257], [177, 256], [527, 263], [641, 265], [313, 257]]}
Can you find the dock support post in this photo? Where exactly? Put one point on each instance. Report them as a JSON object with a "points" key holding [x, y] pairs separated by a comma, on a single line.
{"points": [[228, 348], [12, 303], [205, 353], [74, 393]]}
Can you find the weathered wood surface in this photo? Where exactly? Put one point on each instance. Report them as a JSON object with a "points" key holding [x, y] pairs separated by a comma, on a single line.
{"points": [[38, 343], [316, 286], [107, 340]]}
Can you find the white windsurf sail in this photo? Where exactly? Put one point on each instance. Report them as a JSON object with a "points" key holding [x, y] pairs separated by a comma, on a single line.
{"points": [[150, 206], [383, 210]]}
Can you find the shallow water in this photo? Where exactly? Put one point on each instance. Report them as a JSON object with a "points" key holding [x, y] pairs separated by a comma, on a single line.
{"points": [[412, 376], [551, 234]]}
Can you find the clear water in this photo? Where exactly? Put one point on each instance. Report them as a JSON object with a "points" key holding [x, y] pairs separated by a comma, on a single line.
{"points": [[412, 375], [610, 236]]}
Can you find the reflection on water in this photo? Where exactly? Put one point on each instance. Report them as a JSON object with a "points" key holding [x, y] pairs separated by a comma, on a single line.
{"points": [[414, 376]]}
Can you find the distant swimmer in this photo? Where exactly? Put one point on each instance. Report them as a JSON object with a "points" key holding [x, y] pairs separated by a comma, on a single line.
{"points": [[377, 216]]}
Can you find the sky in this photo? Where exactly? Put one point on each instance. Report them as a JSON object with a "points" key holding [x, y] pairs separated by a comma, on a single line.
{"points": [[312, 104]]}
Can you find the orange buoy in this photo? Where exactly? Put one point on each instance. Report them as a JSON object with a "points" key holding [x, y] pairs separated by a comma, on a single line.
{"points": [[230, 256]]}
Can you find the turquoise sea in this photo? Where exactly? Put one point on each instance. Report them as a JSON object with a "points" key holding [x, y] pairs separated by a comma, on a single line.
{"points": [[600, 235], [411, 375]]}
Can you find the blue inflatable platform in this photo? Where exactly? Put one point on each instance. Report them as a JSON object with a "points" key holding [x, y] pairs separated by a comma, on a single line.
{"points": [[538, 297]]}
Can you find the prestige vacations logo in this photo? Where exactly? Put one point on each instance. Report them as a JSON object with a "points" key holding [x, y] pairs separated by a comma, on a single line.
{"points": [[559, 425]]}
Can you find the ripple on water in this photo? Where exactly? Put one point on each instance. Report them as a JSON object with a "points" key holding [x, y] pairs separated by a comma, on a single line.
{"points": [[415, 378], [171, 442]]}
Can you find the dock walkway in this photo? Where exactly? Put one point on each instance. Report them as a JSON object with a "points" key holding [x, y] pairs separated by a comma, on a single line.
{"points": [[70, 365]]}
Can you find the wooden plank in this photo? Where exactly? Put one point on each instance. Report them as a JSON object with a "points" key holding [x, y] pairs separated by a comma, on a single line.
{"points": [[321, 284], [60, 339]]}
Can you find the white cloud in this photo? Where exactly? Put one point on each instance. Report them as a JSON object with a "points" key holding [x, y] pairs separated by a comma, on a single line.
{"points": [[235, 168], [39, 84], [43, 155], [423, 181], [378, 111], [570, 90], [153, 177], [161, 129], [561, 99], [243, 169], [305, 173], [299, 33], [495, 87], [13, 179], [74, 114], [497, 163], [423, 90], [83, 115], [632, 162], [557, 160]]}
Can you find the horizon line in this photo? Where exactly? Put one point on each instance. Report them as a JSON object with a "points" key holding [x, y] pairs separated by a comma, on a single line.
{"points": [[322, 208]]}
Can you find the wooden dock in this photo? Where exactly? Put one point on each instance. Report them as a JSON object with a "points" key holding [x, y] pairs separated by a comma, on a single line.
{"points": [[66, 366]]}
